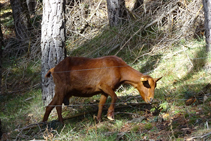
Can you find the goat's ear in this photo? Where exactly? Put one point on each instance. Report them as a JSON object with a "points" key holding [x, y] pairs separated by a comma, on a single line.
{"points": [[144, 79], [157, 79]]}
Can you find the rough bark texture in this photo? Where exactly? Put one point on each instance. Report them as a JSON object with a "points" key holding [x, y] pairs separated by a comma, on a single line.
{"points": [[21, 18], [31, 4], [52, 42], [116, 12], [207, 15], [1, 44], [0, 129]]}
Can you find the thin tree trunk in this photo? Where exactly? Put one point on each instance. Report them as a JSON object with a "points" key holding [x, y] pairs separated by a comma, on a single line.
{"points": [[0, 130], [21, 18], [1, 44], [53, 38], [31, 4], [207, 23], [116, 12]]}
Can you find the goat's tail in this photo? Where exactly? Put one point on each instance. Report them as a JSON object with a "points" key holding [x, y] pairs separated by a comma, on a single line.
{"points": [[48, 74]]}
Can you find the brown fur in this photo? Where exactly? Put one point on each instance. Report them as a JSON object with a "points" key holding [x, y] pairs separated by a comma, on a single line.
{"points": [[85, 77]]}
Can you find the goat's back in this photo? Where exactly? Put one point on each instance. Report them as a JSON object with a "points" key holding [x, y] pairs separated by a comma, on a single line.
{"points": [[83, 73]]}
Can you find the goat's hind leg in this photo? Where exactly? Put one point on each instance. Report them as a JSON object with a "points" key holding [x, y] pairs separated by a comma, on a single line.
{"points": [[49, 108], [59, 109], [102, 102]]}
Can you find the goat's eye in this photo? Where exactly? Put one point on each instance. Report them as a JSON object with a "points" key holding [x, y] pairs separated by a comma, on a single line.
{"points": [[146, 84]]}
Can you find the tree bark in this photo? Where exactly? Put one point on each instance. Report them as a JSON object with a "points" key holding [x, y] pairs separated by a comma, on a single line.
{"points": [[116, 12], [207, 23], [31, 4], [0, 130], [21, 18], [1, 44], [53, 39]]}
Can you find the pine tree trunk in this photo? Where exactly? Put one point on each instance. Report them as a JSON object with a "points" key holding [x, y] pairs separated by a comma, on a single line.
{"points": [[31, 4], [52, 42], [207, 23], [116, 12], [21, 18], [1, 44]]}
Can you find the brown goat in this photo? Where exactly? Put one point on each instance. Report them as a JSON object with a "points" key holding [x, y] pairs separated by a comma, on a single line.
{"points": [[85, 77]]}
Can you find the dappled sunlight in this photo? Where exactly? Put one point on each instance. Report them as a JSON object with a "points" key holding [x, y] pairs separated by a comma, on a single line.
{"points": [[160, 39]]}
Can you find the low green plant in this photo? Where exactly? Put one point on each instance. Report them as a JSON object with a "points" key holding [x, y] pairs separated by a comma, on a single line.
{"points": [[148, 126], [135, 128], [164, 106]]}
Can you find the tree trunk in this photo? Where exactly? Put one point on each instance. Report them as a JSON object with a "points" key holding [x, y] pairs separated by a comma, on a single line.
{"points": [[53, 38], [116, 12], [21, 18], [1, 44], [0, 130], [207, 23], [31, 4]]}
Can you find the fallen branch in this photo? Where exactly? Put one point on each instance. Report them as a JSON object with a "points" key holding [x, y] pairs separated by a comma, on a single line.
{"points": [[205, 135], [30, 126], [87, 21], [127, 105], [119, 135], [198, 137], [161, 17], [141, 28]]}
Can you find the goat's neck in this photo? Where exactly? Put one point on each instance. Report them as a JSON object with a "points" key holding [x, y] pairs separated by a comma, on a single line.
{"points": [[131, 76]]}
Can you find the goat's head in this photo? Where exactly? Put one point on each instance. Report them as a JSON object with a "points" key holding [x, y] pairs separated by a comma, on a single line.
{"points": [[146, 88]]}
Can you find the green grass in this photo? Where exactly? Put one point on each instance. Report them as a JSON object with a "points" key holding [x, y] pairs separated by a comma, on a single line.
{"points": [[6, 18], [182, 66], [19, 110], [182, 76]]}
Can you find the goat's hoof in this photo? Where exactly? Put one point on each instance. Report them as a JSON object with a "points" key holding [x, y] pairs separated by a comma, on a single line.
{"points": [[98, 119], [110, 116]]}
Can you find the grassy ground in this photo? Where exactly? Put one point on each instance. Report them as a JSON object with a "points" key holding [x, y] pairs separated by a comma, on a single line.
{"points": [[184, 75], [183, 62]]}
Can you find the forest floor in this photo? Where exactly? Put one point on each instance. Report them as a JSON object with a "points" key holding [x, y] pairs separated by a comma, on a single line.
{"points": [[180, 111]]}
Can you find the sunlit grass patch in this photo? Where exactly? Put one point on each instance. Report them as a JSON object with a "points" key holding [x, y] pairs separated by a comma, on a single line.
{"points": [[183, 64], [21, 110]]}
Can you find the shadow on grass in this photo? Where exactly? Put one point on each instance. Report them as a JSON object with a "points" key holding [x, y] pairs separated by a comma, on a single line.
{"points": [[151, 64], [126, 114], [138, 115]]}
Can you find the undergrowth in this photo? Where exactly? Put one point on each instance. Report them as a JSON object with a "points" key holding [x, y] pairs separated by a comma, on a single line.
{"points": [[181, 79], [156, 41]]}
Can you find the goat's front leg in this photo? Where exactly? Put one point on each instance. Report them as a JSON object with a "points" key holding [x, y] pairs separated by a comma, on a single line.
{"points": [[59, 108], [106, 89], [103, 99], [110, 114]]}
